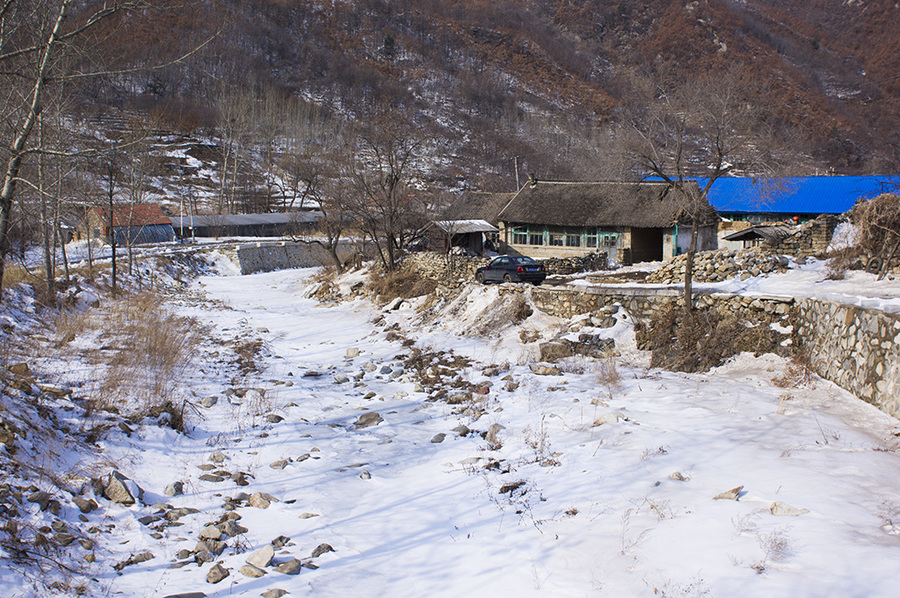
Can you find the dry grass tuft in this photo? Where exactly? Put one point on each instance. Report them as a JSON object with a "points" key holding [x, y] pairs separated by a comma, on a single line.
{"points": [[146, 351], [403, 283], [798, 372]]}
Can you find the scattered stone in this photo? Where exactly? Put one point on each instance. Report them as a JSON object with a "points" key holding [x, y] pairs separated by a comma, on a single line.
{"points": [[394, 305], [40, 498], [385, 369], [732, 494], [206, 467], [63, 539], [341, 378], [365, 475], [251, 571], [352, 352], [321, 549], [134, 560], [366, 420], [308, 515], [544, 370], [261, 500], [553, 351], [610, 418], [240, 478], [215, 547], [210, 532], [187, 595], [121, 490], [492, 435], [218, 457], [208, 401], [274, 593], [280, 541], [438, 438], [274, 418], [280, 464], [20, 369], [291, 567], [209, 477], [182, 554], [174, 489], [262, 558], [231, 529], [216, 574], [483, 389], [678, 476], [462, 430], [148, 519], [783, 509]]}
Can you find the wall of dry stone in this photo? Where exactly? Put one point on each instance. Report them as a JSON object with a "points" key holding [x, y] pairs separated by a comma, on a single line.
{"points": [[857, 349], [723, 264]]}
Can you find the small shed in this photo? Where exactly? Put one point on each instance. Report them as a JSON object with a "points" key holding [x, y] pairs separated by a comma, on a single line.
{"points": [[770, 234], [132, 224], [470, 235]]}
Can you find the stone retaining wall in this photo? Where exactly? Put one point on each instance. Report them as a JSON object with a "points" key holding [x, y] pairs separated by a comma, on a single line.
{"points": [[856, 348]]}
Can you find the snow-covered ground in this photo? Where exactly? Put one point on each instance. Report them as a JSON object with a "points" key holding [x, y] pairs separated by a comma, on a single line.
{"points": [[599, 481]]}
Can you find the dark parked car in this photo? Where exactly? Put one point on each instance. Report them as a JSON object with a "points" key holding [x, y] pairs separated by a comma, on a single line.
{"points": [[511, 268]]}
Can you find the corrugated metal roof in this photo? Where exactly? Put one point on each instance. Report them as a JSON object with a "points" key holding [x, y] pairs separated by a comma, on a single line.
{"points": [[462, 227], [796, 195], [244, 219]]}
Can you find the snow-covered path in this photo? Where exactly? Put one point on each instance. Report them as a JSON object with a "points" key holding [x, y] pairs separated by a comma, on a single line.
{"points": [[554, 505]]}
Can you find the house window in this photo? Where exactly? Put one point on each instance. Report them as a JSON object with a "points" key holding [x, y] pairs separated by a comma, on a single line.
{"points": [[556, 239], [573, 239], [590, 240], [520, 235], [608, 239], [535, 237]]}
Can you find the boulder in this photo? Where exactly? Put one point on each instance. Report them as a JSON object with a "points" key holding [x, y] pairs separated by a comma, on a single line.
{"points": [[369, 419], [216, 574], [262, 558], [119, 489], [553, 351], [291, 567]]}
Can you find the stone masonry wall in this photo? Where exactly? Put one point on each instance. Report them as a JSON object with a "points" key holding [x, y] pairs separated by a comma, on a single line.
{"points": [[857, 349]]}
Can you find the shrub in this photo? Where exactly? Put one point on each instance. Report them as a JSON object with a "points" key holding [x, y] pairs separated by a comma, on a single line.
{"points": [[701, 343]]}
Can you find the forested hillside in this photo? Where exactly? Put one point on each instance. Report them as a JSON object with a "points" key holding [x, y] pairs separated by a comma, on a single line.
{"points": [[262, 105]]}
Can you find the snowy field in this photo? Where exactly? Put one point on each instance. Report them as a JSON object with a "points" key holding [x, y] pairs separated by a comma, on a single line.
{"points": [[596, 482]]}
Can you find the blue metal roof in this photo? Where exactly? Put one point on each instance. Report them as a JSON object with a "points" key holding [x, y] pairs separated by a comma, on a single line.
{"points": [[796, 195]]}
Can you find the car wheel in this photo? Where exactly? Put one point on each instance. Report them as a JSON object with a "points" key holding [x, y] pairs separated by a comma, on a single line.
{"points": [[507, 278], [537, 283], [479, 276]]}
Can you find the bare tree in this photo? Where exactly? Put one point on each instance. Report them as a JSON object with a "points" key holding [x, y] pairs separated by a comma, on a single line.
{"points": [[385, 206], [37, 37], [689, 136]]}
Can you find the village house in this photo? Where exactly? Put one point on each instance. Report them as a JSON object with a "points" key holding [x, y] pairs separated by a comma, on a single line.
{"points": [[132, 224], [630, 221]]}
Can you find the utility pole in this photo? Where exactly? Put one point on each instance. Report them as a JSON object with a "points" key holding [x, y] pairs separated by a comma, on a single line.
{"points": [[516, 163]]}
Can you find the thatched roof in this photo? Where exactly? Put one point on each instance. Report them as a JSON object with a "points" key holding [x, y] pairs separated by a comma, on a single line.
{"points": [[478, 205], [647, 204]]}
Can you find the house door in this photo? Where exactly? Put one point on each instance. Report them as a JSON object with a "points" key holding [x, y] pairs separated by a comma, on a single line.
{"points": [[646, 244]]}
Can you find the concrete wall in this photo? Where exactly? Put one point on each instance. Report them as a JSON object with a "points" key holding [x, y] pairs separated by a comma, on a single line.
{"points": [[283, 255]]}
